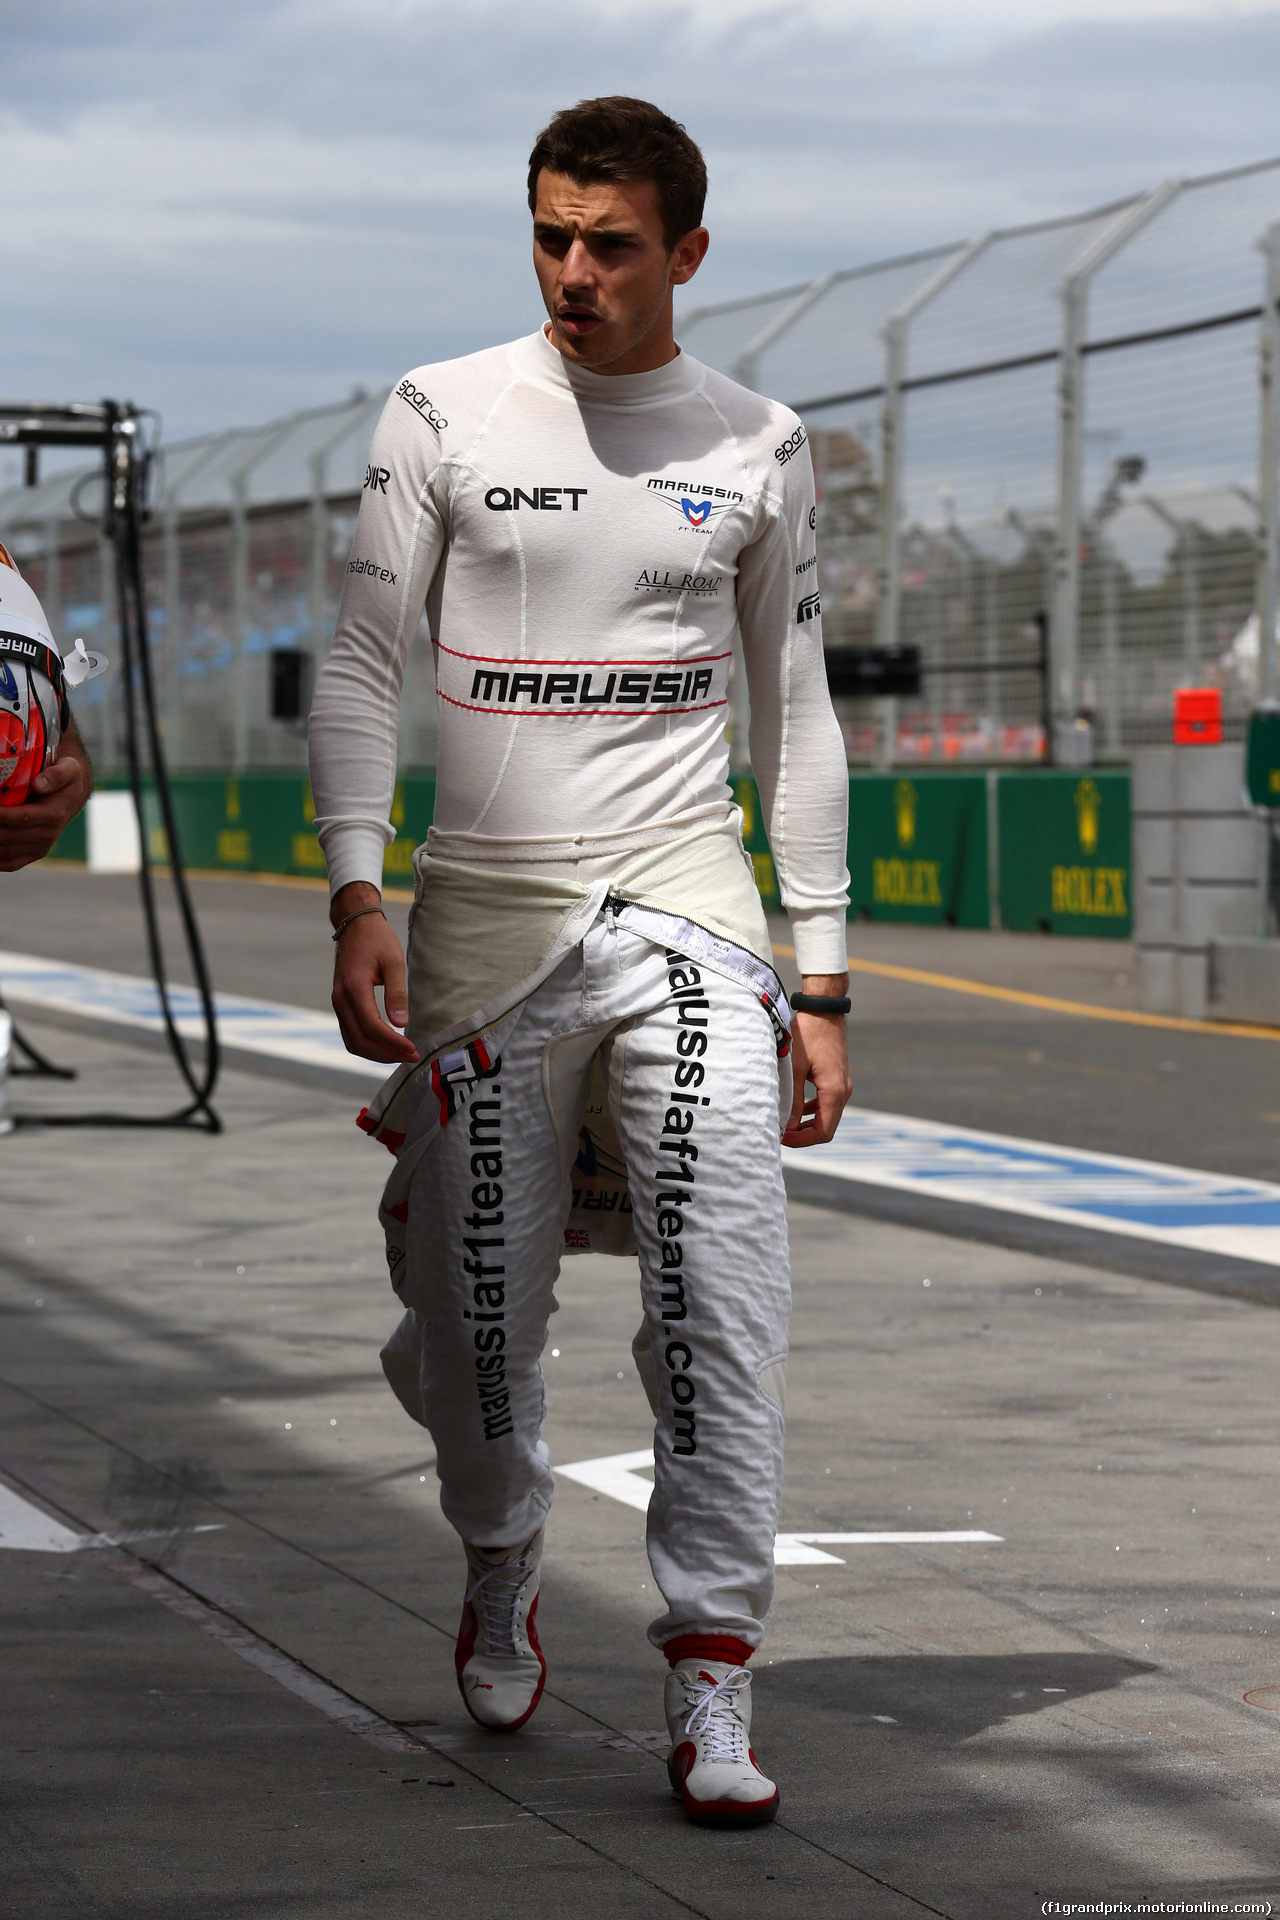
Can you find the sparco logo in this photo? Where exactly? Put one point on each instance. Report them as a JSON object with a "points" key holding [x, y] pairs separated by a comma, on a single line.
{"points": [[661, 580], [540, 499], [810, 608], [420, 404], [374, 571], [376, 478], [793, 445]]}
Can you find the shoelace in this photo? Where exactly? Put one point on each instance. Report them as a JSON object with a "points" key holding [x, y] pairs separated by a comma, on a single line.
{"points": [[500, 1589], [713, 1715]]}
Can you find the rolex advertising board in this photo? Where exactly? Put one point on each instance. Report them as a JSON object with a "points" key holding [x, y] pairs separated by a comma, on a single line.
{"points": [[264, 823], [1064, 852], [918, 848]]}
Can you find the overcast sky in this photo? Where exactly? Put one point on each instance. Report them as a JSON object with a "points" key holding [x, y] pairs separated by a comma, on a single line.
{"points": [[230, 210]]}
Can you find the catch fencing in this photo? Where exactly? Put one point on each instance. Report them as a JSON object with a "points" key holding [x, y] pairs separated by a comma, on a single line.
{"points": [[1048, 458], [244, 557]]}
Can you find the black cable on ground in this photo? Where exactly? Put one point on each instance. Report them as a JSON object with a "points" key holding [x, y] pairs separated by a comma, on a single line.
{"points": [[126, 477], [40, 1062]]}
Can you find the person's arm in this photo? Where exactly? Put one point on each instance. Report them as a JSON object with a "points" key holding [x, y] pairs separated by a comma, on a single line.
{"points": [[800, 766], [28, 832], [354, 723]]}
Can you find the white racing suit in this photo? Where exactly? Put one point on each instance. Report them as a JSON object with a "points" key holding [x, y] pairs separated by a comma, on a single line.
{"points": [[477, 1214]]}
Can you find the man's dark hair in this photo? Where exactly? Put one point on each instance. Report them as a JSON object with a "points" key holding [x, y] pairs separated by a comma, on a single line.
{"points": [[621, 139]]}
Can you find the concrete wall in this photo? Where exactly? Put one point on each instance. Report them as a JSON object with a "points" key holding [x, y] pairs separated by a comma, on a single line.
{"points": [[1198, 869]]}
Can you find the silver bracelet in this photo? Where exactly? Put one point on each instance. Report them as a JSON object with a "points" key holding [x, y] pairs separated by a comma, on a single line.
{"points": [[357, 915]]}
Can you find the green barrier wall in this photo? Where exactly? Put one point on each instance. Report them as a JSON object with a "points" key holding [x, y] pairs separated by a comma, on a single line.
{"points": [[1065, 852], [918, 842], [264, 823], [918, 848]]}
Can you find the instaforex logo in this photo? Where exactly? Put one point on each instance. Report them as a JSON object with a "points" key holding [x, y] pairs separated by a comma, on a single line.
{"points": [[698, 504]]}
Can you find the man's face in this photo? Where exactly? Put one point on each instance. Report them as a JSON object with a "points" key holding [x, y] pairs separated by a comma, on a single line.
{"points": [[605, 272]]}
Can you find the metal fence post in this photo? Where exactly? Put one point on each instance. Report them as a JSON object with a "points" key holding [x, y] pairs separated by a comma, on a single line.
{"points": [[889, 572], [746, 367], [1064, 618], [1269, 465], [319, 548], [172, 592], [239, 623]]}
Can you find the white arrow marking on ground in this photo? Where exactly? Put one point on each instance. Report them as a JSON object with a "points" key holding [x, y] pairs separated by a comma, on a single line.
{"points": [[616, 1475], [29, 1529]]}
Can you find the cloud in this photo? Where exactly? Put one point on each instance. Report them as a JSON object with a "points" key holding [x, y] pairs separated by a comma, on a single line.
{"points": [[230, 211]]}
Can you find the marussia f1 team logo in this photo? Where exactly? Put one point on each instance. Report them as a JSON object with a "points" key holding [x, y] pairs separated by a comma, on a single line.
{"points": [[699, 506]]}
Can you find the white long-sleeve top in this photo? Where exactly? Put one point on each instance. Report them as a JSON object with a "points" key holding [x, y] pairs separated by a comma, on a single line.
{"points": [[587, 547]]}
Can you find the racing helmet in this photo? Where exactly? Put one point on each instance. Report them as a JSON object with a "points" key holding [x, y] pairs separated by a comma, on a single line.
{"points": [[34, 713]]}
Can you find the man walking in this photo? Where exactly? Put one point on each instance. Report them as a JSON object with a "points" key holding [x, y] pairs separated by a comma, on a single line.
{"points": [[591, 519]]}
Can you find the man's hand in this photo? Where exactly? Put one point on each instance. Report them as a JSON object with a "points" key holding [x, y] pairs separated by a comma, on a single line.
{"points": [[819, 1058], [57, 795], [368, 956]]}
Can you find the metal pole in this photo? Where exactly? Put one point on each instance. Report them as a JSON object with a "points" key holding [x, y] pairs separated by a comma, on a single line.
{"points": [[1064, 618], [1110, 641], [889, 572], [746, 368], [1187, 553], [895, 344], [319, 549], [1269, 465], [239, 624], [1191, 598], [1064, 623], [172, 657]]}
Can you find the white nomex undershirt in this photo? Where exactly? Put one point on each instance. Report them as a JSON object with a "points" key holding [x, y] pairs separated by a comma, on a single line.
{"points": [[587, 547]]}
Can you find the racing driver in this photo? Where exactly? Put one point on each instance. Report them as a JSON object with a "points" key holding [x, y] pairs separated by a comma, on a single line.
{"points": [[596, 1050]]}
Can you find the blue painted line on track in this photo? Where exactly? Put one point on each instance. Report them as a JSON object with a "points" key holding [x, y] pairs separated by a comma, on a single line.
{"points": [[1179, 1206]]}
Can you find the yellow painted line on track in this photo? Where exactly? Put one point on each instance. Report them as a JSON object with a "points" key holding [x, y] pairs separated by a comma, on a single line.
{"points": [[1047, 1003], [223, 873]]}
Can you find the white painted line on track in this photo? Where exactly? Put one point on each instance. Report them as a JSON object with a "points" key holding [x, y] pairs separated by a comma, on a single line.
{"points": [[251, 1032], [617, 1476], [32, 1531], [1145, 1199], [25, 1528]]}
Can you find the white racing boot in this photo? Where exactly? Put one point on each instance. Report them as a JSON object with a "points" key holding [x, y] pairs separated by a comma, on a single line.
{"points": [[501, 1671], [711, 1765]]}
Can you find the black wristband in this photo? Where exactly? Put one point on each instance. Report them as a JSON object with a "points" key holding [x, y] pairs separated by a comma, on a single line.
{"points": [[820, 1003]]}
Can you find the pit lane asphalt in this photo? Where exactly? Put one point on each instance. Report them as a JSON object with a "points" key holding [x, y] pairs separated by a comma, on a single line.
{"points": [[189, 1329]]}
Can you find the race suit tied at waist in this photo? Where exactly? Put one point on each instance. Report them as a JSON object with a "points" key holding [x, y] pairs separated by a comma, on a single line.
{"points": [[482, 941]]}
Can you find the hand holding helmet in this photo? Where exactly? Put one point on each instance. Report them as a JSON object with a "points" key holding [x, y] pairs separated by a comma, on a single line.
{"points": [[44, 772]]}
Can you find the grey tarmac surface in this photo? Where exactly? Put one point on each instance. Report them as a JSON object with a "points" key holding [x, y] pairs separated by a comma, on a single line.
{"points": [[190, 1334]]}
